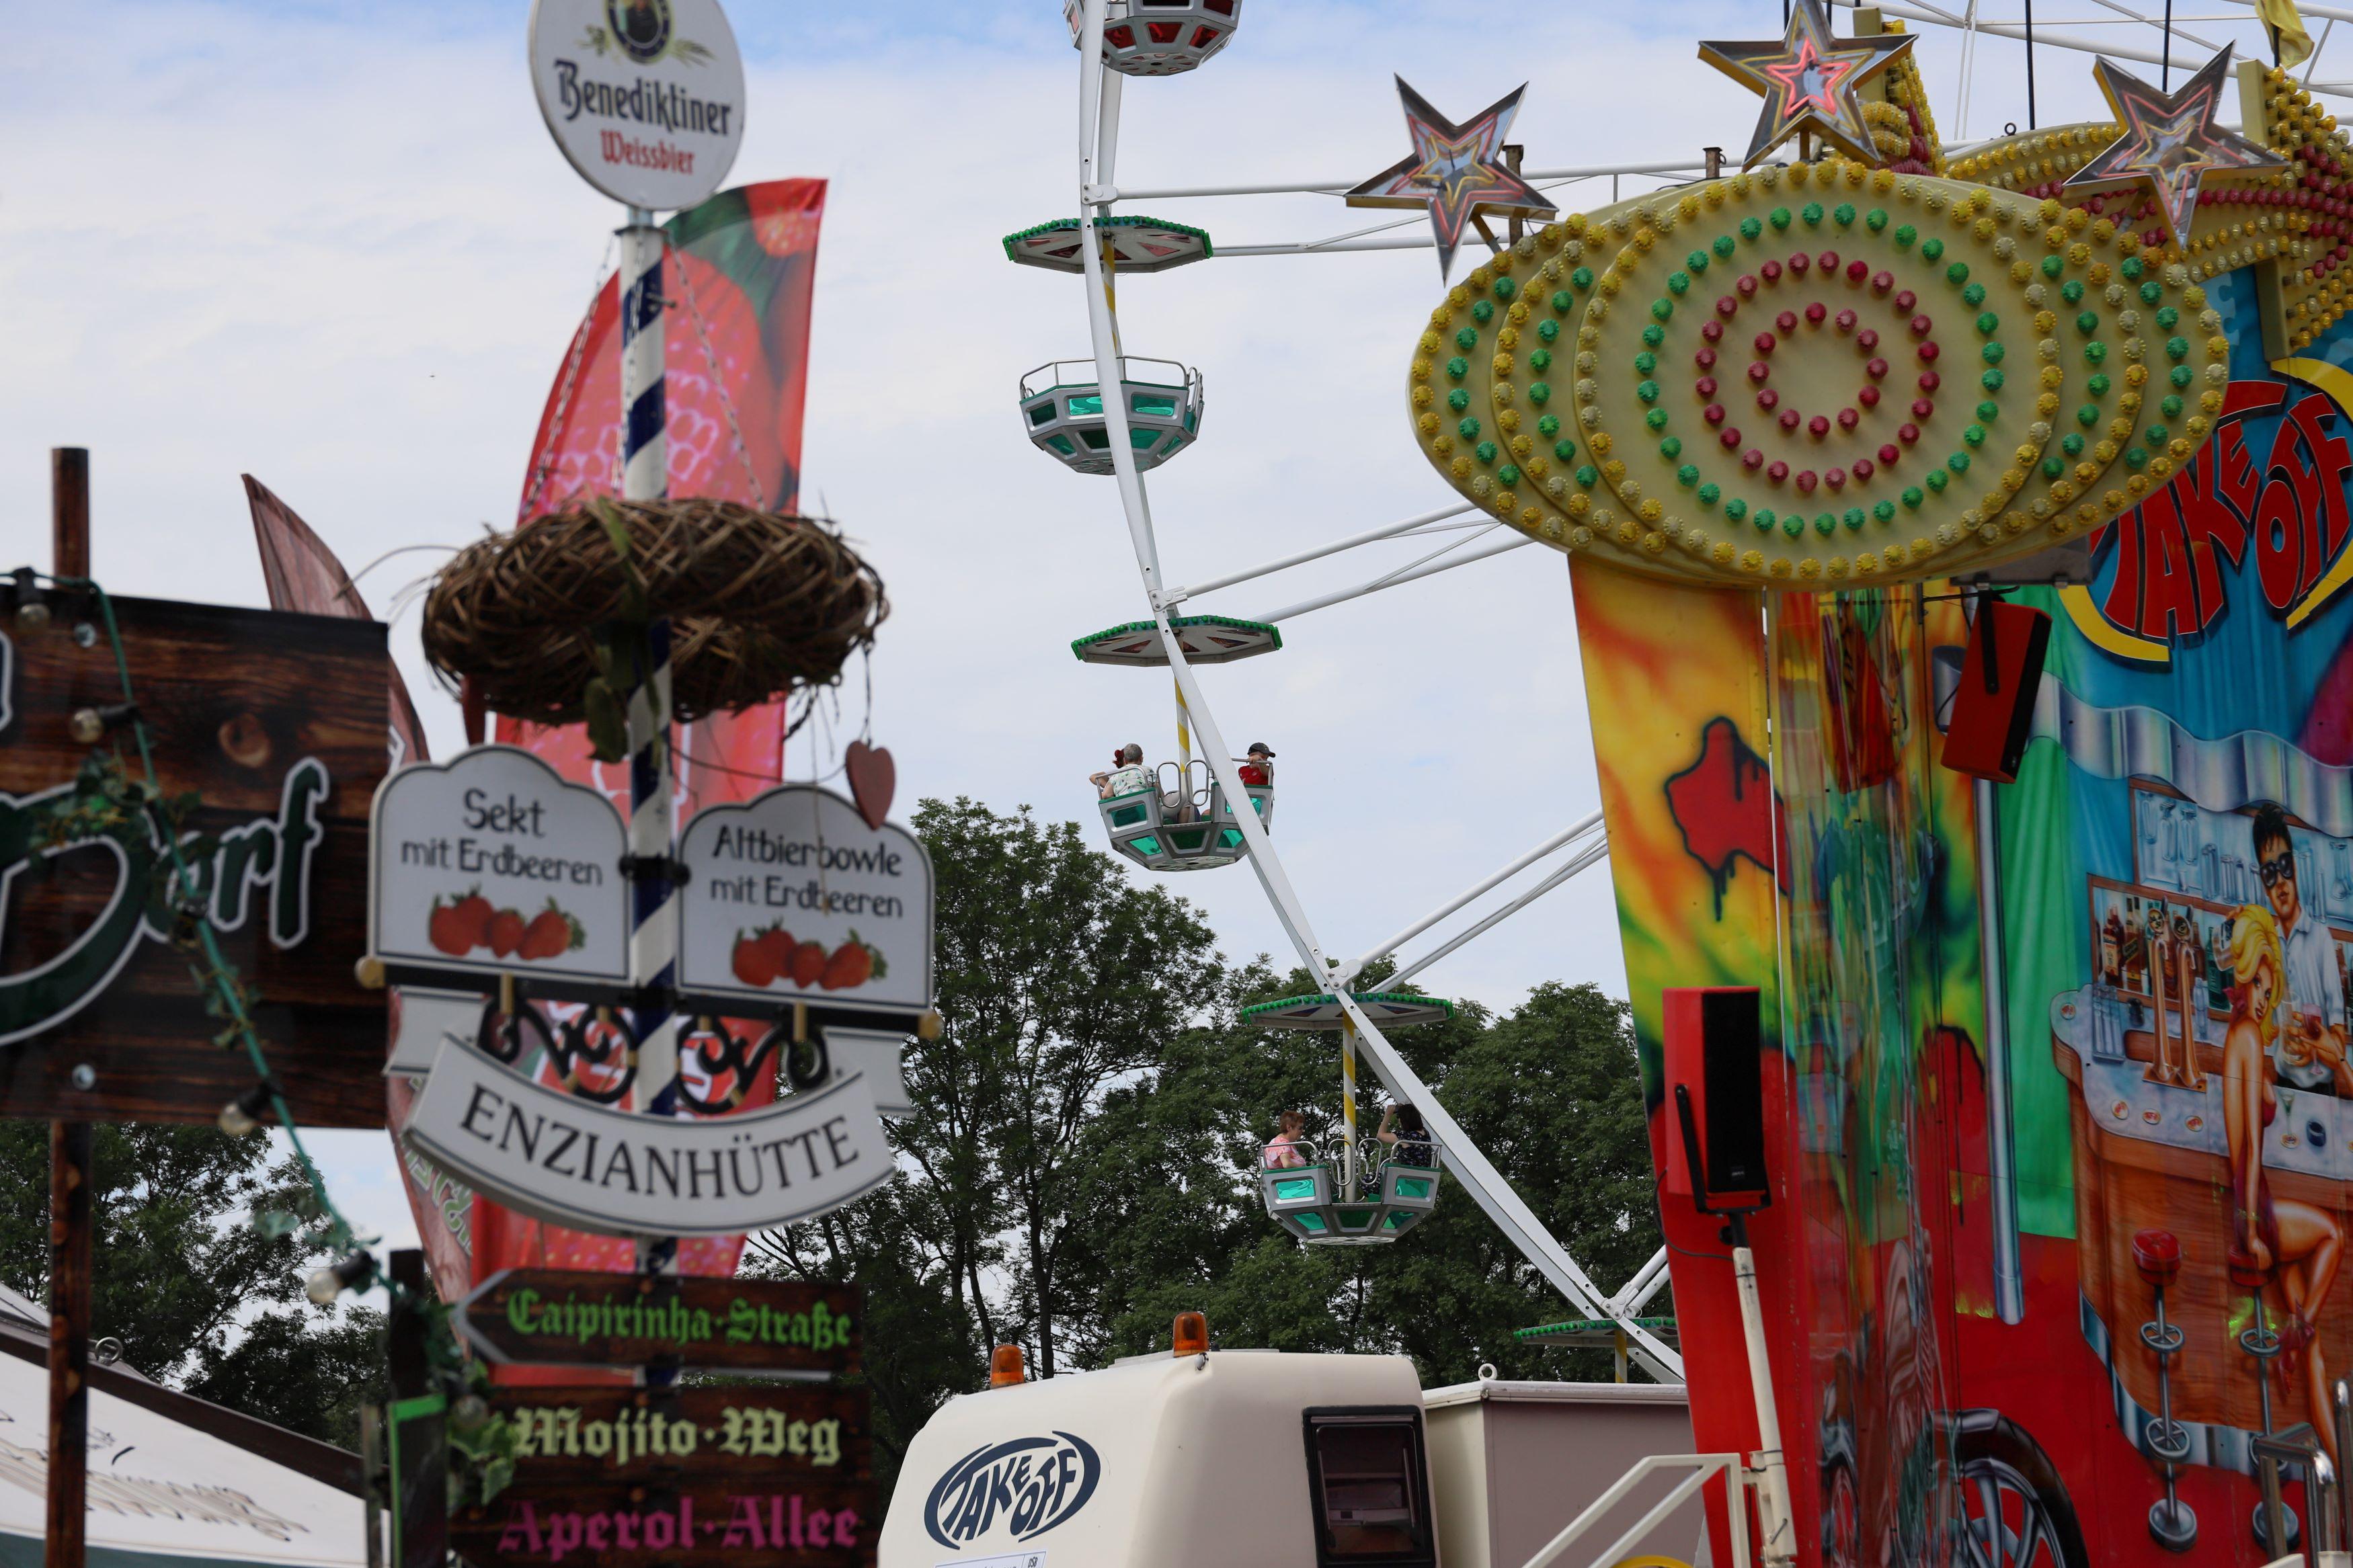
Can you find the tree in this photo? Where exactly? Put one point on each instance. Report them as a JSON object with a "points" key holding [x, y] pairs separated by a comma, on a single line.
{"points": [[1549, 1092], [1079, 1165], [178, 1272], [1058, 981]]}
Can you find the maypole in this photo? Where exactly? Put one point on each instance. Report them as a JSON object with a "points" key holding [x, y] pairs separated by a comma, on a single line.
{"points": [[653, 935]]}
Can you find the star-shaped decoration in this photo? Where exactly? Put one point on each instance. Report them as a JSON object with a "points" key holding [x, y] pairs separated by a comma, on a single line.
{"points": [[1811, 81], [2170, 141], [1455, 171]]}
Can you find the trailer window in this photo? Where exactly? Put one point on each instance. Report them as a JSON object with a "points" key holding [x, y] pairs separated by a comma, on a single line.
{"points": [[1370, 1487]]}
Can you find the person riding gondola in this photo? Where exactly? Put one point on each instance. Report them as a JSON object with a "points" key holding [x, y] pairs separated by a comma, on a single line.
{"points": [[1127, 775], [1407, 1139], [1285, 1153]]}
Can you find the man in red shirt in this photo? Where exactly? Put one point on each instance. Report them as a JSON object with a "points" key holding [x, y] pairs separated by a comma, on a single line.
{"points": [[1258, 771]]}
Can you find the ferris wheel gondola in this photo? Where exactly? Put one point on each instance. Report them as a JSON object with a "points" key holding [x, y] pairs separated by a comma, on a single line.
{"points": [[1157, 37], [1352, 1195], [1062, 410]]}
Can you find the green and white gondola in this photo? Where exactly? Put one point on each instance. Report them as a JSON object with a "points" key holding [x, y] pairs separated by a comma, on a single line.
{"points": [[1144, 830], [1206, 639], [1309, 1201], [1062, 410]]}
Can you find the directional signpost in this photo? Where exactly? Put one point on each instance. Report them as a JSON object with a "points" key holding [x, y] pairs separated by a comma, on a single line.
{"points": [[494, 883], [567, 971], [547, 1317], [750, 1476]]}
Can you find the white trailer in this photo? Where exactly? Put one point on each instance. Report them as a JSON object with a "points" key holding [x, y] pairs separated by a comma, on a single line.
{"points": [[1239, 1458]]}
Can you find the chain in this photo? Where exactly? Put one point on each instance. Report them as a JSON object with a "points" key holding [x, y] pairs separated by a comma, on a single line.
{"points": [[546, 464], [711, 363]]}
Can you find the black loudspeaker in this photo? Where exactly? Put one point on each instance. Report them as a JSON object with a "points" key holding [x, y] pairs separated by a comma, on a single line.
{"points": [[1993, 706], [1715, 1098]]}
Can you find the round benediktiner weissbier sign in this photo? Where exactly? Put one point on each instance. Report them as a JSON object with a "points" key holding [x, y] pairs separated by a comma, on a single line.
{"points": [[645, 97]]}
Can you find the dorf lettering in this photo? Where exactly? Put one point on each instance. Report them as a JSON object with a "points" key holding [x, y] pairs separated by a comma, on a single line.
{"points": [[266, 861]]}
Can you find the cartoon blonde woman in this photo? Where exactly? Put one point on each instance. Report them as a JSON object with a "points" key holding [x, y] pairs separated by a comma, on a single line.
{"points": [[2297, 1243]]}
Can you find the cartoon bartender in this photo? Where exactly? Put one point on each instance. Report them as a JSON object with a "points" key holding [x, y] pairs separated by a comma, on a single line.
{"points": [[2311, 1050]]}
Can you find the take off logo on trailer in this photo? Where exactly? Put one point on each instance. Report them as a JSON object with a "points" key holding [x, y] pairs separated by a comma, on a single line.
{"points": [[1032, 1483], [2259, 514]]}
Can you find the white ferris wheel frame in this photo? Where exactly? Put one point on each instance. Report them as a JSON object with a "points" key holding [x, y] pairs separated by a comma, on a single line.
{"points": [[1585, 843], [1099, 103]]}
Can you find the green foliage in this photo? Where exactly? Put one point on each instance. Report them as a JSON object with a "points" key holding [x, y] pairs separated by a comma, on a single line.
{"points": [[199, 1298], [1077, 1170], [482, 1443]]}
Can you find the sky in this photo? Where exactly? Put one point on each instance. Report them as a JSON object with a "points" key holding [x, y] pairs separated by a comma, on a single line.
{"points": [[331, 245]]}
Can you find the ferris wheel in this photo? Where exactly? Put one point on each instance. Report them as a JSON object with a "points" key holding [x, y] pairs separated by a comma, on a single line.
{"points": [[1120, 415]]}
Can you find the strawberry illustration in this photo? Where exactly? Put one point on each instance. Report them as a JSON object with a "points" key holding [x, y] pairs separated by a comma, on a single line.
{"points": [[849, 966], [505, 934], [853, 963], [808, 964], [778, 944], [753, 963], [446, 929], [472, 914], [456, 928], [551, 934]]}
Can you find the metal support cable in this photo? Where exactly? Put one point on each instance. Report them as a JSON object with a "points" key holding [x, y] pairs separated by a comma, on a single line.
{"points": [[2044, 38], [1393, 580], [1566, 836], [1583, 860], [1386, 531]]}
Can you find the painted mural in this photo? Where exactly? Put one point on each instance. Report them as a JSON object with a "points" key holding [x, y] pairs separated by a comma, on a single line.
{"points": [[2056, 1239], [2175, 875]]}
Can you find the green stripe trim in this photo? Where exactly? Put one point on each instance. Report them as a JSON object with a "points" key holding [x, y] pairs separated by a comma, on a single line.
{"points": [[1593, 1326], [1392, 998], [1124, 221], [1272, 633]]}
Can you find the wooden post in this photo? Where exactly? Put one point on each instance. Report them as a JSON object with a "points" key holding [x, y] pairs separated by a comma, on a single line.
{"points": [[68, 1342], [409, 1370], [69, 510], [69, 1172]]}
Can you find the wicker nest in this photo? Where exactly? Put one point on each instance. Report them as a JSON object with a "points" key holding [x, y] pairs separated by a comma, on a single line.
{"points": [[758, 604]]}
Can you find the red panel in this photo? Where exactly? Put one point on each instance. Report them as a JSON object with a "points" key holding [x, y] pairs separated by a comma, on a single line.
{"points": [[1989, 727]]}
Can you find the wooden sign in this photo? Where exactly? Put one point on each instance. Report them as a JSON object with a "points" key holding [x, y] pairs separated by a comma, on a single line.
{"points": [[581, 1437], [745, 1476], [563, 1318], [278, 722]]}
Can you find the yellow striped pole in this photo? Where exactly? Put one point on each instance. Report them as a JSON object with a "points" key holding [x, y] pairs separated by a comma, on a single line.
{"points": [[1184, 757]]}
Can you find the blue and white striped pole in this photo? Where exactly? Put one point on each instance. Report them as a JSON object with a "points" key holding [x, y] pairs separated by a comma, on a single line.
{"points": [[653, 935]]}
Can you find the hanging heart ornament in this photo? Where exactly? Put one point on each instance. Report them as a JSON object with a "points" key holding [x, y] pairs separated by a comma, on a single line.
{"points": [[872, 778]]}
